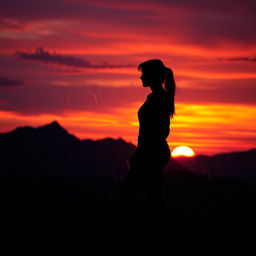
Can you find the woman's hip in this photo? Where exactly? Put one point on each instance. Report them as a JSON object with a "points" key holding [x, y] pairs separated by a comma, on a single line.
{"points": [[151, 156]]}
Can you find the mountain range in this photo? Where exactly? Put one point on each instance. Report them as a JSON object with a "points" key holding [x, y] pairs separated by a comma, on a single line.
{"points": [[237, 165], [47, 173], [52, 150]]}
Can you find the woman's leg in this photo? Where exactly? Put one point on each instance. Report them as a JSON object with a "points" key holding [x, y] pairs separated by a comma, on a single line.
{"points": [[146, 168], [128, 192], [154, 185], [155, 197]]}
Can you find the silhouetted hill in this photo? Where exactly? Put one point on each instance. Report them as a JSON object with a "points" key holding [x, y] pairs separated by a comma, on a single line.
{"points": [[51, 150], [239, 165]]}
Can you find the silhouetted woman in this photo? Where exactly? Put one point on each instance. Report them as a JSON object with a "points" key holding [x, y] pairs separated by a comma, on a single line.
{"points": [[152, 153]]}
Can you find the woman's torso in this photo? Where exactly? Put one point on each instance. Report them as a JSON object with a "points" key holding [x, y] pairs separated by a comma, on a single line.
{"points": [[154, 120]]}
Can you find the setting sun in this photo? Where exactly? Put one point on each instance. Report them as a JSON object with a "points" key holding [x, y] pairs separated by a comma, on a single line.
{"points": [[183, 151]]}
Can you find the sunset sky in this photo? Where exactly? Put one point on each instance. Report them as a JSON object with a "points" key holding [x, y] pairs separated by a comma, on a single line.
{"points": [[75, 61]]}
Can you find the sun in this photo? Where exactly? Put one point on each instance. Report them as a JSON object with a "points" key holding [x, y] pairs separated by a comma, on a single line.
{"points": [[183, 151]]}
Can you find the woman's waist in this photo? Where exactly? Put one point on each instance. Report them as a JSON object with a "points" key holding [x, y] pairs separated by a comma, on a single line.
{"points": [[152, 143], [154, 149]]}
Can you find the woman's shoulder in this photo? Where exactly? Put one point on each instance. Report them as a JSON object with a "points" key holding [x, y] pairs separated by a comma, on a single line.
{"points": [[161, 96]]}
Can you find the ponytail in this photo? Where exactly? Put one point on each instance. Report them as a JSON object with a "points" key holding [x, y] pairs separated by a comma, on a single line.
{"points": [[170, 87]]}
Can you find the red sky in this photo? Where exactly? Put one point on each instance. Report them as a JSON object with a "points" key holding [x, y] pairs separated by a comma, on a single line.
{"points": [[75, 61]]}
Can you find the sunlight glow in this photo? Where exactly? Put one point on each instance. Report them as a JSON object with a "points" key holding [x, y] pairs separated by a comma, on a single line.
{"points": [[183, 151], [207, 129]]}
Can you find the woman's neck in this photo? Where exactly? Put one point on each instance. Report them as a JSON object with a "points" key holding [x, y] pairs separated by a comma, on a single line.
{"points": [[157, 88]]}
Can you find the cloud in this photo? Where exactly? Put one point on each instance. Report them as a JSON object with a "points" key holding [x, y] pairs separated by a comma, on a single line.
{"points": [[96, 26], [244, 59], [50, 99], [41, 55], [10, 24], [221, 95], [7, 82], [55, 9]]}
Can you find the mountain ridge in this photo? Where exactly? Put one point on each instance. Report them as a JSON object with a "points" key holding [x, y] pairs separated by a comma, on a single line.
{"points": [[56, 142], [55, 125]]}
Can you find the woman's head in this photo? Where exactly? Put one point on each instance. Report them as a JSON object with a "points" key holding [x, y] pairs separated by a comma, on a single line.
{"points": [[155, 73]]}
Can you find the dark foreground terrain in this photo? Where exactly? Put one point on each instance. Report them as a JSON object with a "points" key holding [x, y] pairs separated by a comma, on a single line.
{"points": [[50, 180]]}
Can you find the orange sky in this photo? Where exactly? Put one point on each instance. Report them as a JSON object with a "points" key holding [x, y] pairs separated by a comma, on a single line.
{"points": [[75, 61]]}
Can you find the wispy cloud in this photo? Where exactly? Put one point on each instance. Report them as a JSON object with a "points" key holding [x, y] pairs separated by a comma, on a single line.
{"points": [[246, 59], [10, 24], [7, 82], [51, 99], [41, 55]]}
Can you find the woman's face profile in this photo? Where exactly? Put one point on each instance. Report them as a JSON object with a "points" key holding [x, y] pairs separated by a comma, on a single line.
{"points": [[146, 80]]}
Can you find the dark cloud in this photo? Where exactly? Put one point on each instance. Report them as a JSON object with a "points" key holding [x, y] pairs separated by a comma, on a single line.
{"points": [[41, 9], [221, 95], [224, 6], [29, 10], [33, 100], [7, 82], [199, 22], [246, 59], [10, 24], [41, 55]]}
